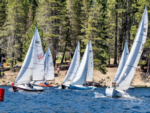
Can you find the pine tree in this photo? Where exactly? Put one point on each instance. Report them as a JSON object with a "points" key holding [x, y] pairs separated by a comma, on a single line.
{"points": [[49, 18], [30, 16], [15, 29], [96, 31], [2, 21], [65, 30], [74, 8]]}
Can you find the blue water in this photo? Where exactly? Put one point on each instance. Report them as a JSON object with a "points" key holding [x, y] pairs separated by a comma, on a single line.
{"points": [[54, 100]]}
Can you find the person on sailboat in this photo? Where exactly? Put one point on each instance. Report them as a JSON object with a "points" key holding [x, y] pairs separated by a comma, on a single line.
{"points": [[29, 85], [113, 84], [46, 83]]}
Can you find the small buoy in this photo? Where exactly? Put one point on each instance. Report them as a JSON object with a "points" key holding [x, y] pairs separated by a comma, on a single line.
{"points": [[2, 94], [12, 84]]}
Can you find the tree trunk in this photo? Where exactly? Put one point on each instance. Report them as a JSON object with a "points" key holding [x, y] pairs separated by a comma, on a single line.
{"points": [[141, 67], [109, 58], [128, 22], [115, 57], [64, 53]]}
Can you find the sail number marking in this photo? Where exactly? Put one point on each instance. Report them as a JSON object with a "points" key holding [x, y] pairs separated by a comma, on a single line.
{"points": [[37, 42], [40, 56], [144, 29]]}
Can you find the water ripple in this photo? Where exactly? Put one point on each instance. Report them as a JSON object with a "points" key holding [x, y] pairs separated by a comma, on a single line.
{"points": [[55, 100]]}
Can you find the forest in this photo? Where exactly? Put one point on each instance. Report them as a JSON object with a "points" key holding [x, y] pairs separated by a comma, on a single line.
{"points": [[62, 23]]}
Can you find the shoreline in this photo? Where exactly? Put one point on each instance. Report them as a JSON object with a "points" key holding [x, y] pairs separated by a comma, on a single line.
{"points": [[103, 79]]}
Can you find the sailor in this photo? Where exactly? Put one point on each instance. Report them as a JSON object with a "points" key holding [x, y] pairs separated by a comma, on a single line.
{"points": [[46, 83], [113, 84], [29, 85], [87, 84]]}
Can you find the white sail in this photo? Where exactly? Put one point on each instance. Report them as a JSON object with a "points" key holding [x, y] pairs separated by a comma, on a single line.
{"points": [[122, 62], [49, 68], [90, 64], [38, 63], [124, 81], [73, 66], [81, 74], [25, 73]]}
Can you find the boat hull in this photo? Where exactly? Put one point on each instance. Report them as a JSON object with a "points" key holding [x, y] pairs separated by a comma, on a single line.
{"points": [[81, 87], [25, 88], [111, 92], [65, 87], [131, 87]]}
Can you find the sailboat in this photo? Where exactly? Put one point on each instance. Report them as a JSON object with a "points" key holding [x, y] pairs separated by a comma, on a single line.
{"points": [[32, 68], [82, 74], [72, 69], [127, 74], [120, 67], [48, 69]]}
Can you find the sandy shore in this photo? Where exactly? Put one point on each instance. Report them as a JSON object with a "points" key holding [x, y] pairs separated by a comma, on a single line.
{"points": [[102, 79]]}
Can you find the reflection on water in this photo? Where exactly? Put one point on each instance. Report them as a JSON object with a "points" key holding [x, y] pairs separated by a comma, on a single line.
{"points": [[55, 100]]}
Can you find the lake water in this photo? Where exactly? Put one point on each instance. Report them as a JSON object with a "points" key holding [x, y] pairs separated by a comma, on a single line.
{"points": [[54, 100]]}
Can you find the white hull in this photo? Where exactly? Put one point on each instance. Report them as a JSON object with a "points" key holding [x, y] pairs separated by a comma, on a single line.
{"points": [[131, 87], [81, 87], [27, 88], [111, 92]]}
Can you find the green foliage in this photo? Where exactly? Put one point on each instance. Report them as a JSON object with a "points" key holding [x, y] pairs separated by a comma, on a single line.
{"points": [[96, 31], [49, 17], [61, 23], [29, 36], [14, 28]]}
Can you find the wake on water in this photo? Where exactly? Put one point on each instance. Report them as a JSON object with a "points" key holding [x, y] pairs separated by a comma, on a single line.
{"points": [[99, 95], [10, 89], [59, 87]]}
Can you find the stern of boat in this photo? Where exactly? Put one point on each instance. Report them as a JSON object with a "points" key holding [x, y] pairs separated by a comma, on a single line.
{"points": [[65, 87], [111, 92]]}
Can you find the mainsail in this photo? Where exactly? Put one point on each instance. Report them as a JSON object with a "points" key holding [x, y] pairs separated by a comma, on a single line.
{"points": [[73, 66], [38, 63], [122, 62], [48, 68], [81, 74], [90, 64], [124, 81], [26, 71]]}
